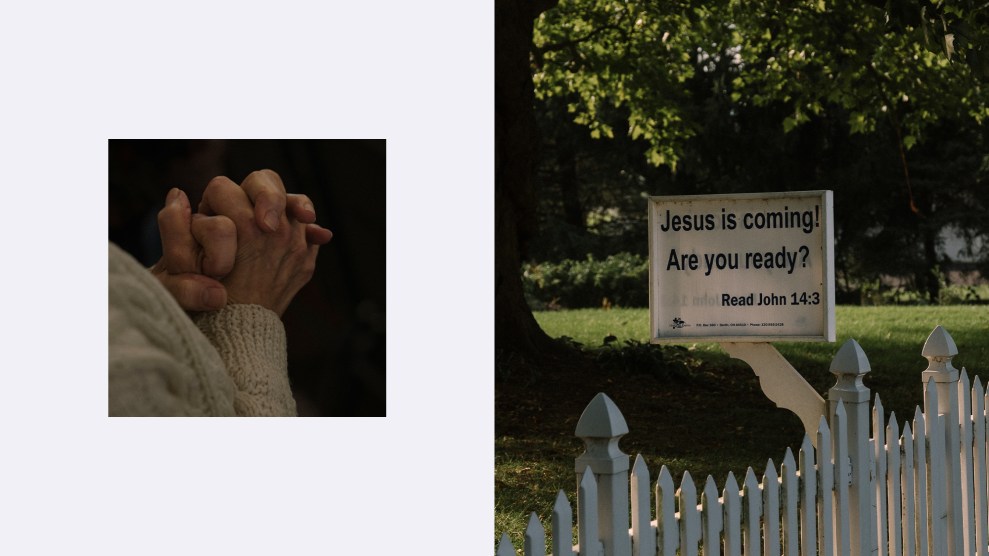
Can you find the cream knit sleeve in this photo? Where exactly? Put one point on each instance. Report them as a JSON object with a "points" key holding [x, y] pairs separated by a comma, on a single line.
{"points": [[251, 341]]}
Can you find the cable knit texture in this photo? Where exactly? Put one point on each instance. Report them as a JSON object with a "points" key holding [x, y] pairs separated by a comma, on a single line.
{"points": [[251, 341], [161, 363]]}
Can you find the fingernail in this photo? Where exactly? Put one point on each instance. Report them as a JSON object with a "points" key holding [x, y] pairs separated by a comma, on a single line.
{"points": [[173, 195], [309, 207], [214, 297], [271, 219]]}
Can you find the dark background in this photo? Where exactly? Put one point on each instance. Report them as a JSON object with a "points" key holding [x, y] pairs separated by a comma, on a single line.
{"points": [[336, 324]]}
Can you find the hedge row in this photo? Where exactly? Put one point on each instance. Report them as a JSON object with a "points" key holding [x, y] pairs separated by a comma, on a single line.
{"points": [[620, 280]]}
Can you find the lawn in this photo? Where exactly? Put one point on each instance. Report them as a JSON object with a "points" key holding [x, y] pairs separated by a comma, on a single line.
{"points": [[891, 336], [708, 417]]}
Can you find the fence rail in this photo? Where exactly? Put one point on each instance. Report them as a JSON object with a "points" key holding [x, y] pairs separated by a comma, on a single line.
{"points": [[919, 491]]}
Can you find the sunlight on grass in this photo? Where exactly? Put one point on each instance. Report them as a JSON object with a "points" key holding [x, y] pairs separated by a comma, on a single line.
{"points": [[892, 337]]}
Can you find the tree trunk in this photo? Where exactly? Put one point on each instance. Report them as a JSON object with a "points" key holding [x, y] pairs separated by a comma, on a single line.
{"points": [[516, 141]]}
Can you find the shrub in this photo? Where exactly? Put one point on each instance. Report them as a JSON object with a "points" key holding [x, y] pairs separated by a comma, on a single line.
{"points": [[620, 280]]}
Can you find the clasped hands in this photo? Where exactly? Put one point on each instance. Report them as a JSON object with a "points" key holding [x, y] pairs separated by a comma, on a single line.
{"points": [[251, 243]]}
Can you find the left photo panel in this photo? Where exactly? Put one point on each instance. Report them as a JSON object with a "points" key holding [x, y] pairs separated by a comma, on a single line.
{"points": [[247, 278]]}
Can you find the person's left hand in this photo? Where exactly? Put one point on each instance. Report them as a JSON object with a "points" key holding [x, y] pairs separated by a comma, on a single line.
{"points": [[195, 253]]}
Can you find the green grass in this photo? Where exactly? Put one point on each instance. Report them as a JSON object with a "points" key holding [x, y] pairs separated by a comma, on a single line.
{"points": [[891, 336], [671, 422]]}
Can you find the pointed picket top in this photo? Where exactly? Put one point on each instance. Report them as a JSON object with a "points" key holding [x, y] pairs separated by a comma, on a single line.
{"points": [[587, 482], [731, 484], [710, 492], [930, 396], [640, 469], [601, 419], [939, 344], [770, 474], [562, 525], [751, 484], [918, 421], [893, 429], [823, 429], [688, 491], [562, 504], [789, 462], [535, 536], [505, 547], [840, 413], [806, 451]]}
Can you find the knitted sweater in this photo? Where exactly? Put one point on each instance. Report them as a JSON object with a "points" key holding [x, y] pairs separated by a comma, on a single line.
{"points": [[227, 362]]}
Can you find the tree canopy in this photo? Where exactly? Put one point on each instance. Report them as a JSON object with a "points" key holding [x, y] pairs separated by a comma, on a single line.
{"points": [[882, 102]]}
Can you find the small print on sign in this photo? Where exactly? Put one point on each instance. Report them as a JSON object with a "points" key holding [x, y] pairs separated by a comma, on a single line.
{"points": [[748, 267]]}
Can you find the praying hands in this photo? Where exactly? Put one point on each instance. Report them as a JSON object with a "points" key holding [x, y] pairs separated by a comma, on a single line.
{"points": [[247, 244]]}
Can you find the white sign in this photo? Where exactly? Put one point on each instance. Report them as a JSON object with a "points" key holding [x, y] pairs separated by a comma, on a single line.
{"points": [[742, 268]]}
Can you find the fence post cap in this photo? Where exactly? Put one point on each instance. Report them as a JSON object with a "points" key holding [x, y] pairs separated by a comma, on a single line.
{"points": [[939, 344], [849, 366], [850, 360], [939, 350], [601, 419]]}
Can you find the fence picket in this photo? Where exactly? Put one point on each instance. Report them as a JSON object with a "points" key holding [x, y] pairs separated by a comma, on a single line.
{"points": [[936, 477], [968, 481], [587, 516], [922, 488], [643, 533], [712, 516], [879, 453], [668, 535], [505, 547], [771, 511], [807, 499], [690, 518], [789, 501], [733, 517], [562, 526], [979, 468], [842, 478], [908, 506], [752, 508], [535, 537], [826, 529], [893, 506]]}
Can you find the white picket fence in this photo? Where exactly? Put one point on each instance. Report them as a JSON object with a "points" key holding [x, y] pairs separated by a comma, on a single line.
{"points": [[920, 491]]}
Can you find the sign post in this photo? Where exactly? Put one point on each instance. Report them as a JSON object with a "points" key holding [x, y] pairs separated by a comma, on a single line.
{"points": [[745, 270]]}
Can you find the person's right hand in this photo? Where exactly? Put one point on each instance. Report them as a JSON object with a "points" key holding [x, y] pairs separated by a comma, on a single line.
{"points": [[275, 255], [199, 250]]}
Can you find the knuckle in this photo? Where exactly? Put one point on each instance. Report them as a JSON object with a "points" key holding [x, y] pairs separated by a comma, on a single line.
{"points": [[220, 226], [217, 181]]}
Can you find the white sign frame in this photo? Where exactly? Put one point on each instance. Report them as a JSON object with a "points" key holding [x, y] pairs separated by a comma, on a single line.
{"points": [[710, 209]]}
